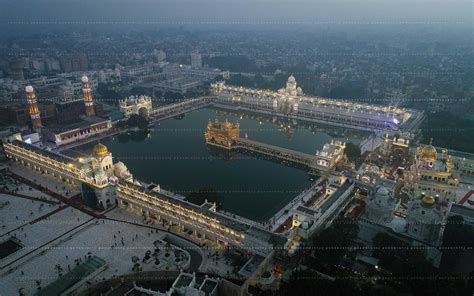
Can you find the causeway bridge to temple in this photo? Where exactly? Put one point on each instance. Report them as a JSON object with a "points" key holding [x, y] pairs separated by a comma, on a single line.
{"points": [[227, 135], [172, 110], [275, 151]]}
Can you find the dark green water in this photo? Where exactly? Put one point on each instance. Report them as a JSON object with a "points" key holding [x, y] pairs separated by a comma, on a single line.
{"points": [[175, 156]]}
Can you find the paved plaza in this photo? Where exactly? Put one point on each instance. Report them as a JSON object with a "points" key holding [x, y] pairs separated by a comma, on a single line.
{"points": [[56, 237]]}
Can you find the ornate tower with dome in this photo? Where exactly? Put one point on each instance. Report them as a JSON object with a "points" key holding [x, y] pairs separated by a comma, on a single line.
{"points": [[103, 159], [99, 170], [432, 176], [87, 93], [292, 89], [33, 109], [380, 205], [425, 219]]}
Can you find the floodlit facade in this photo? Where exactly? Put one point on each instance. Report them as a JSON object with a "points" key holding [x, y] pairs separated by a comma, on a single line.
{"points": [[222, 134], [87, 93], [331, 154], [33, 109], [101, 188], [291, 102], [432, 176], [139, 105], [74, 132], [425, 219]]}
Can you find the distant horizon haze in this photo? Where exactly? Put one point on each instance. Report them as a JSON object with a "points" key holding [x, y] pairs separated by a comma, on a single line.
{"points": [[229, 11]]}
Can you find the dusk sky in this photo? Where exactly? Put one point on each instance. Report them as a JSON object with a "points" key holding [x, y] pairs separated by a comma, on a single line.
{"points": [[236, 10]]}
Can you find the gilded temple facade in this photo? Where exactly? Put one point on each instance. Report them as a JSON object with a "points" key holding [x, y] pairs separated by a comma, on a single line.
{"points": [[222, 134], [432, 175]]}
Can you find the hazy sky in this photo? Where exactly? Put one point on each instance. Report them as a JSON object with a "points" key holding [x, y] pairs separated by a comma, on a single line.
{"points": [[236, 10]]}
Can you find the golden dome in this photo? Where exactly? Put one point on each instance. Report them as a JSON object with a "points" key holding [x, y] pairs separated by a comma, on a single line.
{"points": [[100, 150], [429, 152], [428, 201]]}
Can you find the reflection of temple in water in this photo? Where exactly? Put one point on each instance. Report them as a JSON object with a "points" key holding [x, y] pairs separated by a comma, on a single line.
{"points": [[288, 126], [224, 154]]}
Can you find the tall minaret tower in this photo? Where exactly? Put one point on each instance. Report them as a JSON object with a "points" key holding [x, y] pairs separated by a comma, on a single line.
{"points": [[87, 93], [33, 109]]}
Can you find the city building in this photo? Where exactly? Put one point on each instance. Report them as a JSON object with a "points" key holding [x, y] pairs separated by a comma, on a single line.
{"points": [[196, 59], [88, 126], [179, 84], [322, 208], [16, 71], [331, 154], [141, 73], [397, 146], [160, 55]]}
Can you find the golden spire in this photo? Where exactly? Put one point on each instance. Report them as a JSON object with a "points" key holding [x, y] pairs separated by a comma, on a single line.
{"points": [[100, 149]]}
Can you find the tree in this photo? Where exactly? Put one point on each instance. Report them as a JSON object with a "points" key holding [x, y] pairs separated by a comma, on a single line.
{"points": [[107, 93], [353, 151], [449, 130], [456, 239], [134, 121], [334, 242]]}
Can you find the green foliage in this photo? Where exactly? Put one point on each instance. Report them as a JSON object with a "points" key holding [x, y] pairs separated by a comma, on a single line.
{"points": [[399, 257], [352, 151], [449, 130], [309, 282], [172, 96], [457, 238], [233, 63], [134, 121], [107, 93], [332, 243], [348, 90], [138, 90]]}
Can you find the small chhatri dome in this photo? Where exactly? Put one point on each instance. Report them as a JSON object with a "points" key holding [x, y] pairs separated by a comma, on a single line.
{"points": [[29, 89], [85, 79], [428, 201], [100, 150]]}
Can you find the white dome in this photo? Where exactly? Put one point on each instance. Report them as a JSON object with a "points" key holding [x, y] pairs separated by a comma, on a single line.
{"points": [[291, 78], [382, 191], [85, 79], [29, 89], [398, 224]]}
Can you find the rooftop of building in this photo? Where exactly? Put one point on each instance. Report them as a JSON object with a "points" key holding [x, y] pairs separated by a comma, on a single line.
{"points": [[462, 211], [335, 196], [83, 122], [45, 152], [74, 276]]}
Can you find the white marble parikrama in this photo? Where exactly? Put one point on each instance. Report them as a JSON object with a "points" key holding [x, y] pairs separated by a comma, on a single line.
{"points": [[105, 184], [291, 102]]}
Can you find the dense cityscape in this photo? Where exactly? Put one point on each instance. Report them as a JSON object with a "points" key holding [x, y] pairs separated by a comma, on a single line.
{"points": [[236, 157]]}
